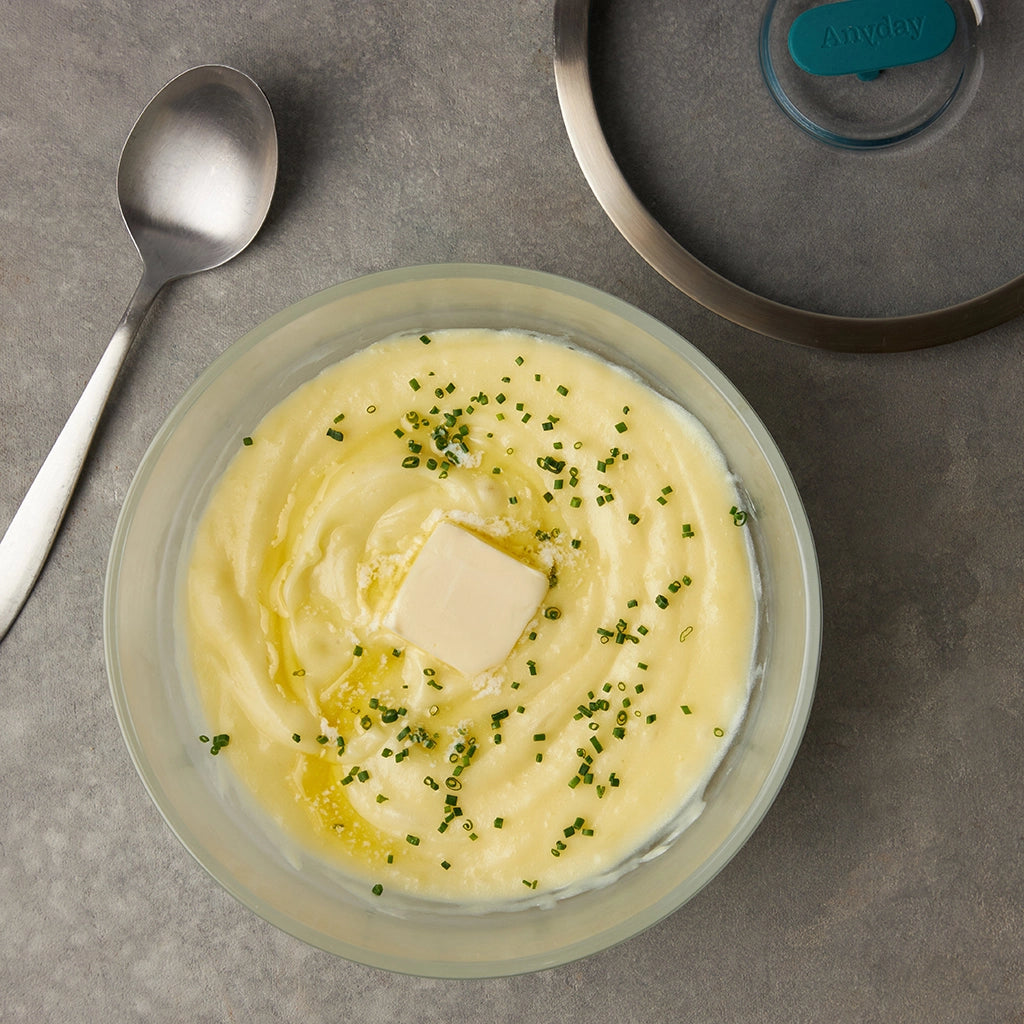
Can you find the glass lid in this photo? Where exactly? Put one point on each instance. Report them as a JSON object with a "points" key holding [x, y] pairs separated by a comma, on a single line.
{"points": [[840, 175]]}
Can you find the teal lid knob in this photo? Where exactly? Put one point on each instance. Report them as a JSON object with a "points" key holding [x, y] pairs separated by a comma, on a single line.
{"points": [[864, 37]]}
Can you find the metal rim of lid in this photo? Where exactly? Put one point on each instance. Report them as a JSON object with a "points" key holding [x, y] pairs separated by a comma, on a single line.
{"points": [[710, 289]]}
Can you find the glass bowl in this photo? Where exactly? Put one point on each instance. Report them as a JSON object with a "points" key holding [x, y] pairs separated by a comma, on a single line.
{"points": [[157, 702]]}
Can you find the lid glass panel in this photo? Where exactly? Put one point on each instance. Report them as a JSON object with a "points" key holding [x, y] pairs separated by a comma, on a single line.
{"points": [[913, 203]]}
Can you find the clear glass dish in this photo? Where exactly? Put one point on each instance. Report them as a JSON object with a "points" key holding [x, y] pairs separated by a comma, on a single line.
{"points": [[156, 699]]}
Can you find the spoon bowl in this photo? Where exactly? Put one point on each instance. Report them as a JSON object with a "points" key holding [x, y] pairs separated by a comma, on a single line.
{"points": [[195, 181], [197, 172]]}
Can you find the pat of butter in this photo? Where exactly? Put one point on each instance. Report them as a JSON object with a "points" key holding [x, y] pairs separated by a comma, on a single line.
{"points": [[464, 601]]}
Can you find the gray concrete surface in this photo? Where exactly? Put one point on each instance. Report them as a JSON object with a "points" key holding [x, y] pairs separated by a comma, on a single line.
{"points": [[885, 884]]}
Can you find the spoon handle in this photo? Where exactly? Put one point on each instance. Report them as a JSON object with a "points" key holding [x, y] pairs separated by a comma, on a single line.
{"points": [[28, 539]]}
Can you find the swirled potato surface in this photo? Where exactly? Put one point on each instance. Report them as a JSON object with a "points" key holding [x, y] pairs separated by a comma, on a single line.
{"points": [[599, 730]]}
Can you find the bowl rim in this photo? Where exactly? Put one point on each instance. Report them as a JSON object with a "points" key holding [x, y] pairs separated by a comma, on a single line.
{"points": [[812, 626]]}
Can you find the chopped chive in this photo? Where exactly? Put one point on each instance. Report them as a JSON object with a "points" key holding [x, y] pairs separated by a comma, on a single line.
{"points": [[633, 518], [562, 390], [414, 384], [621, 427], [661, 601], [685, 708], [413, 840], [425, 339], [499, 822], [377, 889], [296, 737], [247, 441]]}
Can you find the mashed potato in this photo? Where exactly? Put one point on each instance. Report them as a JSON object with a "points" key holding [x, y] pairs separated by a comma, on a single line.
{"points": [[599, 730]]}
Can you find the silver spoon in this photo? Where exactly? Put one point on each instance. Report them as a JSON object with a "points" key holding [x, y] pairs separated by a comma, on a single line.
{"points": [[194, 182]]}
